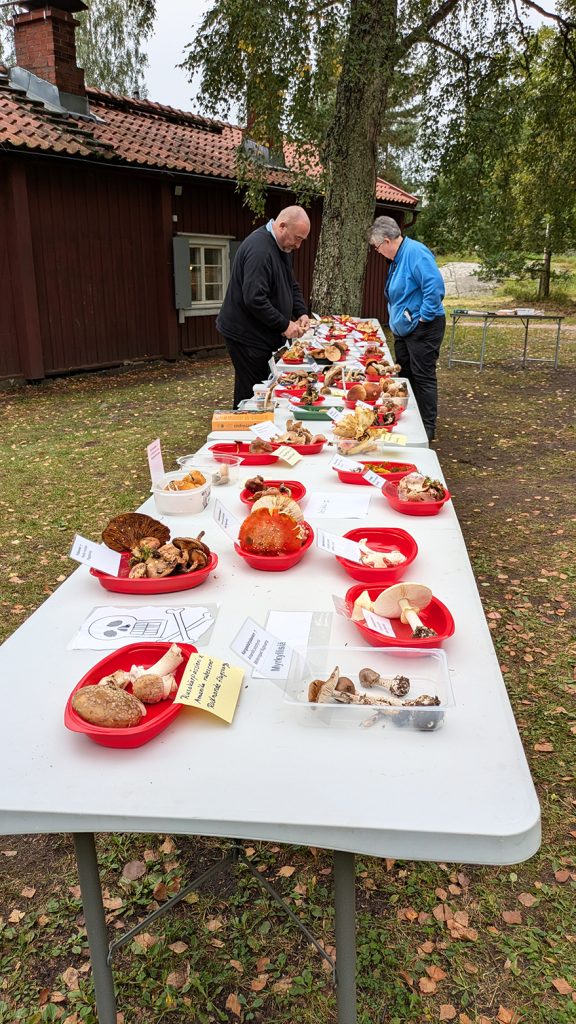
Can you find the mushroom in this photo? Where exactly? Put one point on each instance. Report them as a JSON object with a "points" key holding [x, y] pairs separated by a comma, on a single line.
{"points": [[151, 688], [404, 601], [379, 559], [323, 691], [108, 706], [167, 664], [118, 678], [398, 686]]}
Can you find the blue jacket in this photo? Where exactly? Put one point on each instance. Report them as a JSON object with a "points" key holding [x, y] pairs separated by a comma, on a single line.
{"points": [[414, 288]]}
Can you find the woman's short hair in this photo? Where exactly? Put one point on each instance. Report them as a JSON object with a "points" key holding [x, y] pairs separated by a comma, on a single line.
{"points": [[383, 227]]}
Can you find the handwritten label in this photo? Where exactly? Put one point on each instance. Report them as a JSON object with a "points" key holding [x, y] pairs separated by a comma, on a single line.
{"points": [[262, 650], [265, 431], [373, 478], [335, 545], [314, 367], [335, 414], [155, 460], [287, 454], [97, 556], [364, 405], [378, 623], [399, 439], [349, 465], [226, 520], [210, 685]]}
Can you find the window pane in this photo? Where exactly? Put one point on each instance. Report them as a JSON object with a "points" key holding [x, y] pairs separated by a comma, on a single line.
{"points": [[213, 257], [195, 254], [213, 275], [213, 291], [196, 282]]}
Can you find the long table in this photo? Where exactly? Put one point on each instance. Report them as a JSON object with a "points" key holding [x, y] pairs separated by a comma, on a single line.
{"points": [[487, 318], [463, 793]]}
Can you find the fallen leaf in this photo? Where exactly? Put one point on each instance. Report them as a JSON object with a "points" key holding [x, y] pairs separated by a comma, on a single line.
{"points": [[426, 947], [178, 947], [134, 869], [43, 920], [507, 1016], [70, 977], [237, 966], [285, 871], [112, 902], [28, 892], [149, 856], [9, 853], [213, 924], [469, 967], [463, 1018], [249, 851], [16, 916], [177, 979], [544, 747], [512, 916], [160, 892], [57, 997], [43, 996], [74, 890], [146, 940], [217, 943], [426, 986], [447, 1011], [262, 963], [282, 985], [562, 875], [168, 846], [259, 983], [407, 978], [562, 986], [436, 973], [527, 899]]}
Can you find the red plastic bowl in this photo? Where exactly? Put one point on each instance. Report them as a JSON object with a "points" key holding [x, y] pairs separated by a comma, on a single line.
{"points": [[380, 539], [435, 616], [304, 405], [276, 563], [242, 448], [122, 584], [289, 392], [302, 449], [157, 716], [293, 362], [412, 508], [298, 490], [394, 471]]}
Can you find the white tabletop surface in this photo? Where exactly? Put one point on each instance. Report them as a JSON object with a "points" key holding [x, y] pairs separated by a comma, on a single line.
{"points": [[462, 793]]}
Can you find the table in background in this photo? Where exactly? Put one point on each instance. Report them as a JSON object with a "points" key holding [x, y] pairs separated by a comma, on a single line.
{"points": [[486, 318], [461, 794]]}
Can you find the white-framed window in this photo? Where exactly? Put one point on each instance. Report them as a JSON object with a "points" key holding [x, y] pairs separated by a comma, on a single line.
{"points": [[207, 259]]}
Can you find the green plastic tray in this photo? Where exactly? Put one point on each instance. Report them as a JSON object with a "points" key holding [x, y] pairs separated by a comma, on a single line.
{"points": [[308, 412]]}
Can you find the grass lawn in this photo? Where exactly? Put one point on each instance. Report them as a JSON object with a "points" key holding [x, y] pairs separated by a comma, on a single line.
{"points": [[476, 945]]}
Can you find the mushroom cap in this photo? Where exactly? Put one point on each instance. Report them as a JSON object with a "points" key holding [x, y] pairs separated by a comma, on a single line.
{"points": [[387, 603]]}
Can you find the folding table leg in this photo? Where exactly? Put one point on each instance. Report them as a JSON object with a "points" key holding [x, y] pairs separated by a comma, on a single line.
{"points": [[557, 349], [483, 346], [525, 353], [345, 905], [95, 926]]}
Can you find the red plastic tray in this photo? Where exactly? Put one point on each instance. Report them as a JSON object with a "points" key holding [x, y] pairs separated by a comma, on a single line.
{"points": [[380, 538], [435, 616], [289, 392], [122, 584], [298, 490], [302, 449], [397, 471], [293, 362], [157, 717], [242, 448], [412, 508], [303, 405], [276, 563]]}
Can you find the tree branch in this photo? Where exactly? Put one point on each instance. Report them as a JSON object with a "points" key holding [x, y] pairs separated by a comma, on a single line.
{"points": [[567, 26], [418, 34], [464, 57]]}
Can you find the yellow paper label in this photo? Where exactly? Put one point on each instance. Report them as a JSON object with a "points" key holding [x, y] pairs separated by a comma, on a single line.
{"points": [[210, 685], [395, 438], [288, 455]]}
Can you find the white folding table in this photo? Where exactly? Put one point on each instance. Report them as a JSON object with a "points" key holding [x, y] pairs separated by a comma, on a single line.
{"points": [[463, 793]]}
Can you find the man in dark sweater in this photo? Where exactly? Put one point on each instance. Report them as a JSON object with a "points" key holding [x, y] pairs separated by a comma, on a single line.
{"points": [[263, 304]]}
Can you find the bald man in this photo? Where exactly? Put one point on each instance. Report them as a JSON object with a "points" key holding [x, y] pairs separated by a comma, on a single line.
{"points": [[263, 304]]}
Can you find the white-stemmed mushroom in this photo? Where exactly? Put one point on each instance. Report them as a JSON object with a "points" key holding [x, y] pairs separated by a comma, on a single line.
{"points": [[166, 666], [404, 601], [397, 686], [379, 559]]}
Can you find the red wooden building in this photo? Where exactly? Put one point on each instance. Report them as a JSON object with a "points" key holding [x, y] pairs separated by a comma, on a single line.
{"points": [[119, 216]]}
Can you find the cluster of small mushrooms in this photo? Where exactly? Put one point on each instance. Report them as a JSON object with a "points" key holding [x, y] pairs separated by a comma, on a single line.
{"points": [[118, 701], [417, 487], [338, 689], [295, 433], [152, 554]]}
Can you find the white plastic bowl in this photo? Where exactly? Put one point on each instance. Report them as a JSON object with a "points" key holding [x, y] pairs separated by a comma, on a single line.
{"points": [[180, 503]]}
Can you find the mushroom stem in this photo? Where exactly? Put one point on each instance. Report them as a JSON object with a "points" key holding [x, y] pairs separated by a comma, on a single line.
{"points": [[167, 664], [410, 615]]}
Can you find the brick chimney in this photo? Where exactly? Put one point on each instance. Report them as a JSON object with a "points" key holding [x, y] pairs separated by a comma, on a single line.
{"points": [[45, 45]]}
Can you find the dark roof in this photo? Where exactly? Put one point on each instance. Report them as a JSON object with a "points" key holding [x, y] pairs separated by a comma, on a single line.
{"points": [[144, 134]]}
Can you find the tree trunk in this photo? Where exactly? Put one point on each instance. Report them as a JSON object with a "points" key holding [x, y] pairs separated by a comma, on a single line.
{"points": [[350, 157], [544, 281]]}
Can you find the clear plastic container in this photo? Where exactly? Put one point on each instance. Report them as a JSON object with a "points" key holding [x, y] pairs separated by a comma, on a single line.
{"points": [[221, 473], [427, 671]]}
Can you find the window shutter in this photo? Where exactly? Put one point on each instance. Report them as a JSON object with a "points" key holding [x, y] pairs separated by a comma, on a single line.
{"points": [[182, 283]]}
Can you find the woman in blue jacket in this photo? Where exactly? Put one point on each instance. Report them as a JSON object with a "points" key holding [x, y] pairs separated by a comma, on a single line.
{"points": [[414, 290]]}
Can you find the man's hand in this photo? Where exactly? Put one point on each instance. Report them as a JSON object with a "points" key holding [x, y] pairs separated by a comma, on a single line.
{"points": [[304, 321], [294, 330]]}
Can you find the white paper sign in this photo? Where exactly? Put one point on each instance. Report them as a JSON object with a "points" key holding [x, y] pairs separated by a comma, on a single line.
{"points": [[336, 545], [313, 366], [226, 520], [294, 628], [335, 414], [262, 650], [330, 505], [378, 623], [373, 479], [287, 454], [265, 431], [349, 465], [110, 627], [97, 556], [155, 461], [365, 405]]}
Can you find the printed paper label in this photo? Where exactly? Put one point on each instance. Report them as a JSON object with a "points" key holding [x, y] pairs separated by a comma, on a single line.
{"points": [[97, 556], [210, 685], [336, 545], [378, 623], [265, 431], [226, 520], [262, 650], [349, 465], [335, 414], [288, 455], [373, 478], [155, 461]]}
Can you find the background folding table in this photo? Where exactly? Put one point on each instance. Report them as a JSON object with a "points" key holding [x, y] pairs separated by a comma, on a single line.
{"points": [[486, 318]]}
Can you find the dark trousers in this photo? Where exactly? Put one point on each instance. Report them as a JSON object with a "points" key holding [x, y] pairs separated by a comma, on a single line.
{"points": [[417, 355], [250, 368]]}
